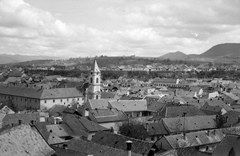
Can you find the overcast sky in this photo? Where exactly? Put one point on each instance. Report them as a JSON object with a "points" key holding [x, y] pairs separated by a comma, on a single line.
{"points": [[79, 28]]}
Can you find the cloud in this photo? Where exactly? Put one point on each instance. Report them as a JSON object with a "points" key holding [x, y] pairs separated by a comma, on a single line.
{"points": [[141, 28]]}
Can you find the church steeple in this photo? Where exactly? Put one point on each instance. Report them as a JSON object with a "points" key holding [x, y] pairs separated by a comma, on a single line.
{"points": [[95, 67], [94, 81]]}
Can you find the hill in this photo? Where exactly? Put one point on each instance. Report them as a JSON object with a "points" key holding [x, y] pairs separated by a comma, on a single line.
{"points": [[6, 58], [223, 50], [174, 56]]}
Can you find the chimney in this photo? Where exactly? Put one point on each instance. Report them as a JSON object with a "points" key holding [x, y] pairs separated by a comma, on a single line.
{"points": [[147, 127], [184, 135], [227, 119], [86, 112], [129, 147], [208, 133], [65, 146], [152, 152]]}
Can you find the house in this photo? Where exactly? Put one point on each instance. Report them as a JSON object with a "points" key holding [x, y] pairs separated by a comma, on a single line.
{"points": [[229, 146], [204, 141], [13, 80], [157, 83], [23, 140], [132, 108], [214, 106], [95, 149], [35, 98], [155, 131], [67, 152], [4, 108], [81, 126], [180, 111], [214, 94], [65, 84], [230, 98], [232, 118], [108, 118], [109, 95], [119, 142], [189, 124], [97, 103], [20, 118]]}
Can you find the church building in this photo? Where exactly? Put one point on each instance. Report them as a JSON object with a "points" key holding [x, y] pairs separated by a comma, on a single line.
{"points": [[94, 91]]}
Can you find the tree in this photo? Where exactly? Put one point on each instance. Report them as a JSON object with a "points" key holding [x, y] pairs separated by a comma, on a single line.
{"points": [[134, 130], [220, 120]]}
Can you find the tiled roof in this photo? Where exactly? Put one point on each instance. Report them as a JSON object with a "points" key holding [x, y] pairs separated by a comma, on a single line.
{"points": [[77, 123], [96, 149], [23, 140], [21, 91], [107, 95], [179, 110], [99, 103], [55, 140], [231, 95], [192, 123], [60, 93], [232, 118], [231, 142], [129, 105], [156, 128], [193, 139], [13, 79], [24, 117], [56, 109], [158, 80], [108, 115], [37, 93], [119, 141], [67, 152], [215, 105], [69, 84], [60, 130]]}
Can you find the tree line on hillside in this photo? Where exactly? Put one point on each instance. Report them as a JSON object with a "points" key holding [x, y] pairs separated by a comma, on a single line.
{"points": [[142, 75]]}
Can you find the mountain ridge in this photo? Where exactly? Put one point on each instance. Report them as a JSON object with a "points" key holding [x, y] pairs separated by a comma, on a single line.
{"points": [[8, 58]]}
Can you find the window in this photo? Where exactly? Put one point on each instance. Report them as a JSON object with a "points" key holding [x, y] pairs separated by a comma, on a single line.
{"points": [[61, 100], [91, 80], [45, 101], [96, 96], [97, 80], [78, 99], [67, 100], [53, 100]]}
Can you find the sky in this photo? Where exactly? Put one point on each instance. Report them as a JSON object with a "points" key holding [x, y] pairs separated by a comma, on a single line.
{"points": [[81, 28]]}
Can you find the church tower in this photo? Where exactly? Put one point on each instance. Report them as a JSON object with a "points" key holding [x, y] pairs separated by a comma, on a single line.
{"points": [[94, 82]]}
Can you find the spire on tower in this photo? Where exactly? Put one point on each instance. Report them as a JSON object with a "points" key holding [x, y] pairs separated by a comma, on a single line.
{"points": [[95, 67]]}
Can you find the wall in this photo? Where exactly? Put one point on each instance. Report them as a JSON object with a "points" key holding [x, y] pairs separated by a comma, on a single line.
{"points": [[21, 103], [114, 125], [48, 103]]}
